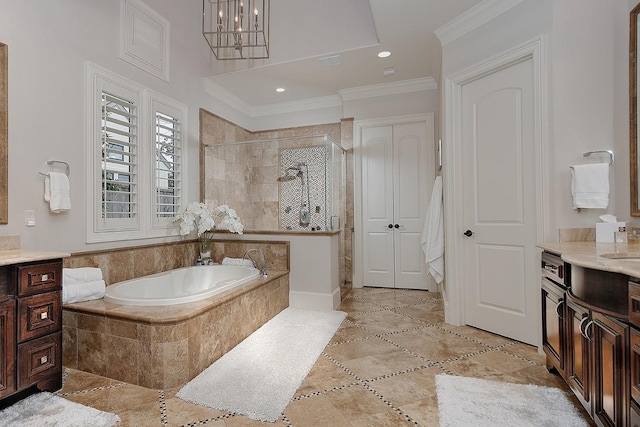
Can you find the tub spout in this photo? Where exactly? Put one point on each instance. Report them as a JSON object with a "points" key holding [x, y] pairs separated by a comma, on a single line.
{"points": [[263, 264]]}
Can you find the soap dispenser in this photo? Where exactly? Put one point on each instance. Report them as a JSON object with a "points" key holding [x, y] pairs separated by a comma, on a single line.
{"points": [[621, 240]]}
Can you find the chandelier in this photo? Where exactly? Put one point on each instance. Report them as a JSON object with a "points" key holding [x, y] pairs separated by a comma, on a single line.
{"points": [[236, 29]]}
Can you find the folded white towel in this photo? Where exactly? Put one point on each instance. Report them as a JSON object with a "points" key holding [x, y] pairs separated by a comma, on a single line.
{"points": [[237, 261], [57, 192], [433, 234], [79, 292], [81, 275], [590, 186]]}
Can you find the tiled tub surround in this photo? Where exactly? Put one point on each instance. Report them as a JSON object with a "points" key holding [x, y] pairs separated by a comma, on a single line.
{"points": [[160, 347], [167, 346], [132, 262]]}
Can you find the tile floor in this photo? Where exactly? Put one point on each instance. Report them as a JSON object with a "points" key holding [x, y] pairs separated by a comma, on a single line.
{"points": [[378, 370]]}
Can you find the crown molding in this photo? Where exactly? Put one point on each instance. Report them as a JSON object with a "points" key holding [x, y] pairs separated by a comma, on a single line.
{"points": [[225, 96], [383, 89], [473, 18], [331, 101]]}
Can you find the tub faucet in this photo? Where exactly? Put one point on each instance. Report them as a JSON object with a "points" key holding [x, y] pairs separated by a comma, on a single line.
{"points": [[263, 265]]}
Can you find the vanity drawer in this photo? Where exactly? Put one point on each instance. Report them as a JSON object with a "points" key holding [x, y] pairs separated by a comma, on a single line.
{"points": [[36, 278], [39, 315], [38, 359]]}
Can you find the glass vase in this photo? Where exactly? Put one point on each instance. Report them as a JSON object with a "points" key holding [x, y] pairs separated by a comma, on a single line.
{"points": [[206, 239]]}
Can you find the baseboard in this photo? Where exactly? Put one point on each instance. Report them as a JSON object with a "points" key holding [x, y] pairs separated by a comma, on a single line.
{"points": [[314, 300]]}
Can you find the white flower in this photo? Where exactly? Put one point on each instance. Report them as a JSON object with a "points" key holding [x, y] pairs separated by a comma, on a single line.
{"points": [[229, 219], [197, 216]]}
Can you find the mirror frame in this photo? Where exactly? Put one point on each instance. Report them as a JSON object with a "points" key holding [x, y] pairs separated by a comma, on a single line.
{"points": [[4, 134]]}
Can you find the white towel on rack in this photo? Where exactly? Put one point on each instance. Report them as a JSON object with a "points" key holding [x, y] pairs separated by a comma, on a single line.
{"points": [[433, 233], [590, 186], [57, 192]]}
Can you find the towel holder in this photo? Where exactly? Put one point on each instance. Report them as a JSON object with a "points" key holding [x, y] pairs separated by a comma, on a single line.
{"points": [[57, 162], [609, 152]]}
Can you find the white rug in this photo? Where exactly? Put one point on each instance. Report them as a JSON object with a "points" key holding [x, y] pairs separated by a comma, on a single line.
{"points": [[475, 402], [47, 410], [260, 375]]}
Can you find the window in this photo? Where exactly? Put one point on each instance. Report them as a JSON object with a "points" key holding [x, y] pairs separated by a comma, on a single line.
{"points": [[167, 171], [119, 159], [135, 143]]}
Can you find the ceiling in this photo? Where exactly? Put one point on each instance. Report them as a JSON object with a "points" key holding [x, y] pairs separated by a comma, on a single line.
{"points": [[305, 31]]}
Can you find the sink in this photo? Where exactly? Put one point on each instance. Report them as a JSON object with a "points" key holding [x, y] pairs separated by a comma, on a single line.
{"points": [[621, 255]]}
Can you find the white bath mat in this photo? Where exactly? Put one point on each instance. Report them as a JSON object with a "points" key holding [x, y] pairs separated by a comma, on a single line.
{"points": [[475, 402], [260, 375], [47, 410]]}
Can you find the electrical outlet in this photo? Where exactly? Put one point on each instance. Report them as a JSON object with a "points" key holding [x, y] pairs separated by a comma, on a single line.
{"points": [[30, 218]]}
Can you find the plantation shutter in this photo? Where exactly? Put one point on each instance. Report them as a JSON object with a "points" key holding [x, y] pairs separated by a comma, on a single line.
{"points": [[168, 165], [119, 147]]}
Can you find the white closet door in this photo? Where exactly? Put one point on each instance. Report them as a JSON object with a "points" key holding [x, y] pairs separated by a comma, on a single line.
{"points": [[395, 191], [377, 200], [410, 203]]}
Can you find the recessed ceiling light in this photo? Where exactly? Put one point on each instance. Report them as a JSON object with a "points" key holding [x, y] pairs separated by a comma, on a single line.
{"points": [[280, 89], [384, 54]]}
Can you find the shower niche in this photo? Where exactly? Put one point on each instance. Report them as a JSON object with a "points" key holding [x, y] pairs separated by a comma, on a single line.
{"points": [[295, 184]]}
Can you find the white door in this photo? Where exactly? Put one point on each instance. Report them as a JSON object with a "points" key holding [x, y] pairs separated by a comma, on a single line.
{"points": [[396, 188], [500, 287]]}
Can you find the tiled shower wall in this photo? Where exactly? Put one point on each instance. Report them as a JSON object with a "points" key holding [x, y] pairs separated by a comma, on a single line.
{"points": [[309, 189], [224, 179]]}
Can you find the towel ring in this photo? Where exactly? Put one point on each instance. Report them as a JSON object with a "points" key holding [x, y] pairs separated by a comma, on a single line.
{"points": [[609, 152], [57, 162]]}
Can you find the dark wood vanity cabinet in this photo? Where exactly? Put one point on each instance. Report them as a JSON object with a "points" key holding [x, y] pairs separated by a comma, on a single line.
{"points": [[610, 338], [31, 327], [578, 372], [7, 347], [599, 349], [553, 312], [553, 326]]}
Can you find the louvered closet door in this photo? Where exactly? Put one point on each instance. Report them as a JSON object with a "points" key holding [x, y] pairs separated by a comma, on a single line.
{"points": [[395, 187]]}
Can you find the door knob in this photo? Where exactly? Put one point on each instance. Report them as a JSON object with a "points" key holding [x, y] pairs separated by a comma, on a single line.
{"points": [[390, 225], [396, 226], [468, 233]]}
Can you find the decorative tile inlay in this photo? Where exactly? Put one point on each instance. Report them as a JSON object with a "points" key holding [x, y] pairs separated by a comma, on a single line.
{"points": [[308, 189]]}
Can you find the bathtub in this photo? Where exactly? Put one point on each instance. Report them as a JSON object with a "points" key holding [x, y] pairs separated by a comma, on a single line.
{"points": [[179, 286]]}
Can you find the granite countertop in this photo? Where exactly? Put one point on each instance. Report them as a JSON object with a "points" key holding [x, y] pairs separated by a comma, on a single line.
{"points": [[17, 256], [589, 255]]}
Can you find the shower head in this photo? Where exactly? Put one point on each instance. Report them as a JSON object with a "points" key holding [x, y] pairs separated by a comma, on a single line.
{"points": [[288, 176]]}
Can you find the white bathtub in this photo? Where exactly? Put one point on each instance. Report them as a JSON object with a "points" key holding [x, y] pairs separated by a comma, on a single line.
{"points": [[178, 286]]}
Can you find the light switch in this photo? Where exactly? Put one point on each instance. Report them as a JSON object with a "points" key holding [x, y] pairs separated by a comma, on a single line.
{"points": [[30, 218]]}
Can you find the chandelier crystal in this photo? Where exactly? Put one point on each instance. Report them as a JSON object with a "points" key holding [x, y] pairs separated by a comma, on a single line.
{"points": [[236, 29]]}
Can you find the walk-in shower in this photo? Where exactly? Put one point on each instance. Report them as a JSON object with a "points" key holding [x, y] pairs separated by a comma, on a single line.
{"points": [[304, 215], [294, 183]]}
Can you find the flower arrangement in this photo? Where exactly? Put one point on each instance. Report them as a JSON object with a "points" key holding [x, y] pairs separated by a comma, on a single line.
{"points": [[197, 216]]}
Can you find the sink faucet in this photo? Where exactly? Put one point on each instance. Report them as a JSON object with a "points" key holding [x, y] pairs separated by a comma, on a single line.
{"points": [[263, 266]]}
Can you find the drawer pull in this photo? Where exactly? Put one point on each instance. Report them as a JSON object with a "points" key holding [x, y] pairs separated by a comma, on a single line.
{"points": [[43, 315], [45, 277], [43, 360]]}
